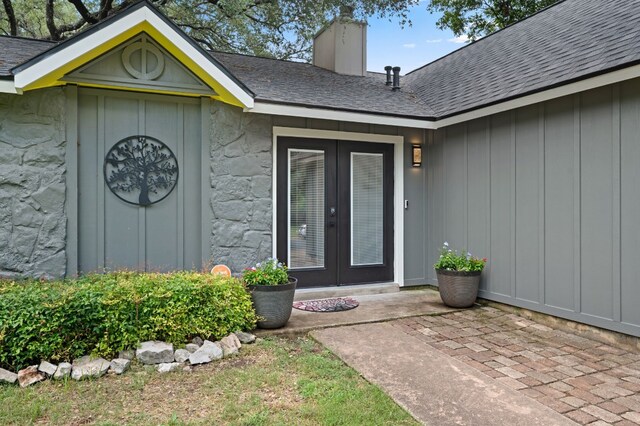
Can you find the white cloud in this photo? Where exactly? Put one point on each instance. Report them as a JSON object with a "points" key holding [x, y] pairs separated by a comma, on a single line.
{"points": [[409, 45], [460, 39], [434, 40]]}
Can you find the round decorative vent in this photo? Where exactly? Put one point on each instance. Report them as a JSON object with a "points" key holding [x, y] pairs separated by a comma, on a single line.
{"points": [[140, 170]]}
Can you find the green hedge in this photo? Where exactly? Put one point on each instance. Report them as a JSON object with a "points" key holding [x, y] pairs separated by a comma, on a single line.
{"points": [[102, 314]]}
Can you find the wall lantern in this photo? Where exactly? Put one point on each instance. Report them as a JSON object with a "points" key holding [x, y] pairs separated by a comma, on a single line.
{"points": [[416, 155]]}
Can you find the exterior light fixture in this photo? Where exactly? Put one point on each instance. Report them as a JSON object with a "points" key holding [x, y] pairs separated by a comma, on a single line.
{"points": [[416, 155]]}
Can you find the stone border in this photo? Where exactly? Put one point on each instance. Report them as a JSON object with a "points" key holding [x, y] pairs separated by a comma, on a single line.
{"points": [[159, 354]]}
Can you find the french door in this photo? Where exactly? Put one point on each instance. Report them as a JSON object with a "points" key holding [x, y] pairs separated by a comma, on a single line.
{"points": [[335, 211]]}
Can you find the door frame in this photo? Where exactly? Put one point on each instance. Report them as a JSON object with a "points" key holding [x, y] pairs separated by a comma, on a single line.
{"points": [[71, 158], [398, 182]]}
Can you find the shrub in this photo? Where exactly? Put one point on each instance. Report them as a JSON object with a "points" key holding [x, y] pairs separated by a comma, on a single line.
{"points": [[451, 260], [102, 314]]}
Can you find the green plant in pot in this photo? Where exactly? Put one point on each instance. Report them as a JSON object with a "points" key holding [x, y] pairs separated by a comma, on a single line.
{"points": [[458, 277], [272, 291]]}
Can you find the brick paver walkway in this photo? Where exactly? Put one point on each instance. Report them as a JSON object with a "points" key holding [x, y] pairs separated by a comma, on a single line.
{"points": [[585, 380]]}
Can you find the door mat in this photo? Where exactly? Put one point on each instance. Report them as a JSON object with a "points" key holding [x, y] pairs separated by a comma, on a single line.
{"points": [[334, 304]]}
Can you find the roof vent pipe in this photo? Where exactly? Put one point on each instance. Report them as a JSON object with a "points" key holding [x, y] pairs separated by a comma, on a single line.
{"points": [[388, 70], [396, 78]]}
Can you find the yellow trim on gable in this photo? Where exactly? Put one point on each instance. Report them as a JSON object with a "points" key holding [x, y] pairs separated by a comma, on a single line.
{"points": [[54, 78]]}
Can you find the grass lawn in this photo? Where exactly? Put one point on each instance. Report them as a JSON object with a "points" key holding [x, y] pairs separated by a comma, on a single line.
{"points": [[274, 381]]}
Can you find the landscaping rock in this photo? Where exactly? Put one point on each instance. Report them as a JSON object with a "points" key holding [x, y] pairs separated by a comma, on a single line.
{"points": [[245, 338], [29, 376], [85, 368], [168, 367], [192, 347], [181, 355], [127, 354], [187, 369], [47, 368], [155, 352], [197, 341], [7, 376], [230, 345], [208, 352], [63, 371], [119, 366]]}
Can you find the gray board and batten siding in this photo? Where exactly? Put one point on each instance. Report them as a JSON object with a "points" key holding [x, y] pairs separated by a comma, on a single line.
{"points": [[550, 194]]}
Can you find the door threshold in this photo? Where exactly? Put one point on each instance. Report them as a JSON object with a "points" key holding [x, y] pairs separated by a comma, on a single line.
{"points": [[347, 290]]}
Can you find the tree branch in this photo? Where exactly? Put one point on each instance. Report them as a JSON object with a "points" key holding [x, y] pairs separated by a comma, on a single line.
{"points": [[11, 17], [51, 25]]}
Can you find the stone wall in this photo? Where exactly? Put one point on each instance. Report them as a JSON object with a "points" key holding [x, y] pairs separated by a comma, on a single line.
{"points": [[241, 179], [32, 184]]}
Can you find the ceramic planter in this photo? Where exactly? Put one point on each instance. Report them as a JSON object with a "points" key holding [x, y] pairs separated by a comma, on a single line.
{"points": [[458, 289], [273, 303]]}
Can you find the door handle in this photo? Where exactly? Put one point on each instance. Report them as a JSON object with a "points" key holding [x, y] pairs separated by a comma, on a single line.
{"points": [[332, 212]]}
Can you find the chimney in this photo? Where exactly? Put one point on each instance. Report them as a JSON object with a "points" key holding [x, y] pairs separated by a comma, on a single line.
{"points": [[388, 70], [342, 45], [396, 78]]}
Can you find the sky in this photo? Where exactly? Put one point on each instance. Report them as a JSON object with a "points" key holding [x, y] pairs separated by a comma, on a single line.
{"points": [[408, 47]]}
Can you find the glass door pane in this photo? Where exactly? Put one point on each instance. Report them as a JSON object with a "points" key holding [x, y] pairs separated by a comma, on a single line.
{"points": [[367, 209], [306, 198]]}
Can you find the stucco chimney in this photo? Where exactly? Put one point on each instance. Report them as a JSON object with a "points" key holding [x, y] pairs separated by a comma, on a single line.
{"points": [[342, 45]]}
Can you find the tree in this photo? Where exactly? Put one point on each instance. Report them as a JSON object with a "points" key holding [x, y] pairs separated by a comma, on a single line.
{"points": [[477, 18], [277, 28]]}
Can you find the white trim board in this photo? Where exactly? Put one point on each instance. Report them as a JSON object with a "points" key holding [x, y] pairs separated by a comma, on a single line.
{"points": [[329, 114], [398, 183], [546, 95], [8, 86]]}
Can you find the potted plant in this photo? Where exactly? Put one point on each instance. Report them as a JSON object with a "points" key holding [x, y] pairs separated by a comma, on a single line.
{"points": [[458, 277], [272, 291]]}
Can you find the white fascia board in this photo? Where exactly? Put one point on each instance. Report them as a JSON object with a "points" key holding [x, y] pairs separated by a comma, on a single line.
{"points": [[59, 59], [7, 86], [547, 95], [329, 114]]}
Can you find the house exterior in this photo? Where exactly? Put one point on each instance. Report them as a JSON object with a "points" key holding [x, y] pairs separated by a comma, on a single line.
{"points": [[129, 146]]}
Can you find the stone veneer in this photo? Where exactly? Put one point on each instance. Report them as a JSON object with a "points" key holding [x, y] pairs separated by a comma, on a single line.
{"points": [[32, 184], [241, 179]]}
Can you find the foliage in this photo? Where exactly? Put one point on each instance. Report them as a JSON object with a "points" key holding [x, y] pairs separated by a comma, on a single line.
{"points": [[269, 272], [477, 18], [279, 28], [451, 260], [102, 314]]}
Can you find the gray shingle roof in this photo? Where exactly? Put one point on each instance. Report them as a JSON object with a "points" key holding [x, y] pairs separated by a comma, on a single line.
{"points": [[16, 50], [571, 40], [299, 83], [568, 41]]}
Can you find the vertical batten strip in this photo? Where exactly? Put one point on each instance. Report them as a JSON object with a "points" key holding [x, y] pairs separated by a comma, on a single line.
{"points": [[71, 160], [616, 209], [142, 211], [577, 200], [180, 204], [100, 184], [487, 274], [466, 186], [512, 204], [205, 232], [541, 203]]}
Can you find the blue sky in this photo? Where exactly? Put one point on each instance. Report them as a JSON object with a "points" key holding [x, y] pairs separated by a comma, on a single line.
{"points": [[408, 47]]}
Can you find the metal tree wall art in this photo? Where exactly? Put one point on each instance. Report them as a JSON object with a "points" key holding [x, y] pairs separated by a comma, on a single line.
{"points": [[140, 170]]}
